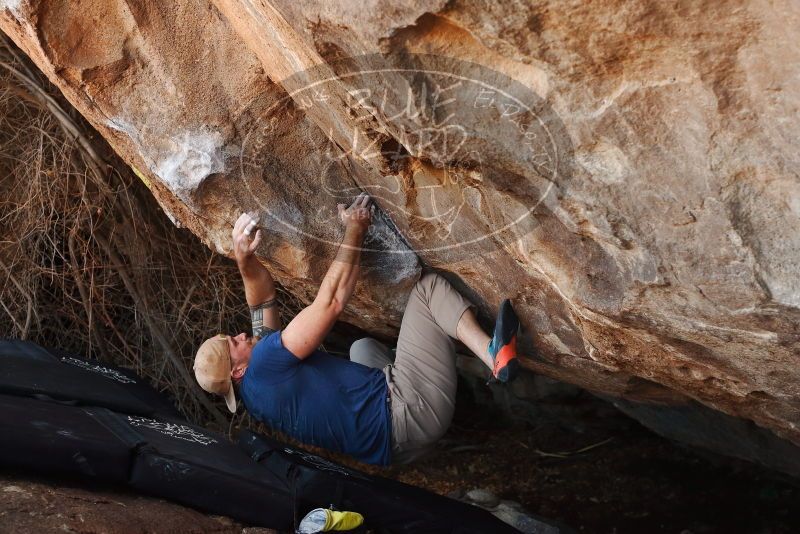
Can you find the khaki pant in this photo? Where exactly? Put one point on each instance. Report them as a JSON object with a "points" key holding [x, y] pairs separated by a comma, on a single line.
{"points": [[422, 378]]}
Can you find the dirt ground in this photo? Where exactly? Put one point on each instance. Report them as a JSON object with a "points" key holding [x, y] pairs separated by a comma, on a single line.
{"points": [[43, 505], [632, 481]]}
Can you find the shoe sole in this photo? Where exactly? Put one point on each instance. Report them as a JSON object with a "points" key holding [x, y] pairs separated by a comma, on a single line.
{"points": [[507, 323], [509, 372], [506, 357]]}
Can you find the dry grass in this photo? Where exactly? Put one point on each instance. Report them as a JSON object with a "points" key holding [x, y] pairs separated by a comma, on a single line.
{"points": [[88, 261]]}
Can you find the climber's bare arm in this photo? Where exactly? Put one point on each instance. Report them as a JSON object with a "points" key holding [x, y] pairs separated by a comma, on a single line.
{"points": [[308, 329], [259, 289]]}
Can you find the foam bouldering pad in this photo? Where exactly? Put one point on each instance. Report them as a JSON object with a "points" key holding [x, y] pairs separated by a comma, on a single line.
{"points": [[387, 505], [190, 465], [53, 438], [30, 370], [26, 349], [169, 459]]}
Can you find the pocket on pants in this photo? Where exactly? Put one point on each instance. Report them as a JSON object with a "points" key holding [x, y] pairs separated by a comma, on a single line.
{"points": [[411, 442], [399, 411]]}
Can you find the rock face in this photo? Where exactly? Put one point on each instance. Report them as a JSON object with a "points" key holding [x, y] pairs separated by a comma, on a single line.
{"points": [[626, 172]]}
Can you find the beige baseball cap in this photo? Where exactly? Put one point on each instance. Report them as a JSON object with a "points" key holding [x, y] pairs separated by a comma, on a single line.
{"points": [[212, 368]]}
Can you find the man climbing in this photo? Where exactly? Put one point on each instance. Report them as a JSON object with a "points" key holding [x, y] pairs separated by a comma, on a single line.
{"points": [[376, 408]]}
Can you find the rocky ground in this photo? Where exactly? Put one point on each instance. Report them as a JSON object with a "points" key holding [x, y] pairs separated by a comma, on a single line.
{"points": [[43, 505], [632, 481]]}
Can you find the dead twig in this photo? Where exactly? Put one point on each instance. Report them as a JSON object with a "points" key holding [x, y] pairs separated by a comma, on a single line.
{"points": [[59, 200], [30, 310], [156, 331], [567, 454]]}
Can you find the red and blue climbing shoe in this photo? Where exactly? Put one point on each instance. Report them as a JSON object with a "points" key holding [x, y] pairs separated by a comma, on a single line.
{"points": [[503, 346]]}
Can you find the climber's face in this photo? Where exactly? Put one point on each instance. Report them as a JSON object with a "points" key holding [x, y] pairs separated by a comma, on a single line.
{"points": [[240, 347]]}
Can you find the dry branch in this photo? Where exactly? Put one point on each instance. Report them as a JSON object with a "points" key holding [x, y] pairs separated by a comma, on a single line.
{"points": [[92, 265]]}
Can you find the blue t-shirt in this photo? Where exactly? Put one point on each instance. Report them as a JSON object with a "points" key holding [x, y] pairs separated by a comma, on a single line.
{"points": [[323, 400]]}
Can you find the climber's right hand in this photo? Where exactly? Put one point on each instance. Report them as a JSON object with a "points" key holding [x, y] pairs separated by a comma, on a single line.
{"points": [[244, 241]]}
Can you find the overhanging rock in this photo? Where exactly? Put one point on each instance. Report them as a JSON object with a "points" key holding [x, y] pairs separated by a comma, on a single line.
{"points": [[647, 197]]}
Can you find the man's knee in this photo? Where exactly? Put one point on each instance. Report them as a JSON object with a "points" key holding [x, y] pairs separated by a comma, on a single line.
{"points": [[426, 284], [363, 346], [370, 352], [428, 279]]}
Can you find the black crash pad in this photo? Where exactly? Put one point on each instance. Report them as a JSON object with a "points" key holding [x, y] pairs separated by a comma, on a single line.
{"points": [[52, 438], [387, 505], [192, 466], [30, 370], [168, 459], [26, 349]]}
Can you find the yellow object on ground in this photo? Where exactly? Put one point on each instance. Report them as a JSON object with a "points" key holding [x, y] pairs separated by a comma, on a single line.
{"points": [[325, 520]]}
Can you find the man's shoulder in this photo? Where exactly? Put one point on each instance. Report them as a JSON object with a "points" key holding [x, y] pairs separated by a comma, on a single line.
{"points": [[268, 343], [269, 355]]}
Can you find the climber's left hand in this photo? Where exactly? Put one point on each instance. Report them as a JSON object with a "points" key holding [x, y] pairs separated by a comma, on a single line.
{"points": [[358, 214]]}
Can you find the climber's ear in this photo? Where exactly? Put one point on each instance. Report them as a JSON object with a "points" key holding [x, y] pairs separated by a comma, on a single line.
{"points": [[238, 372]]}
